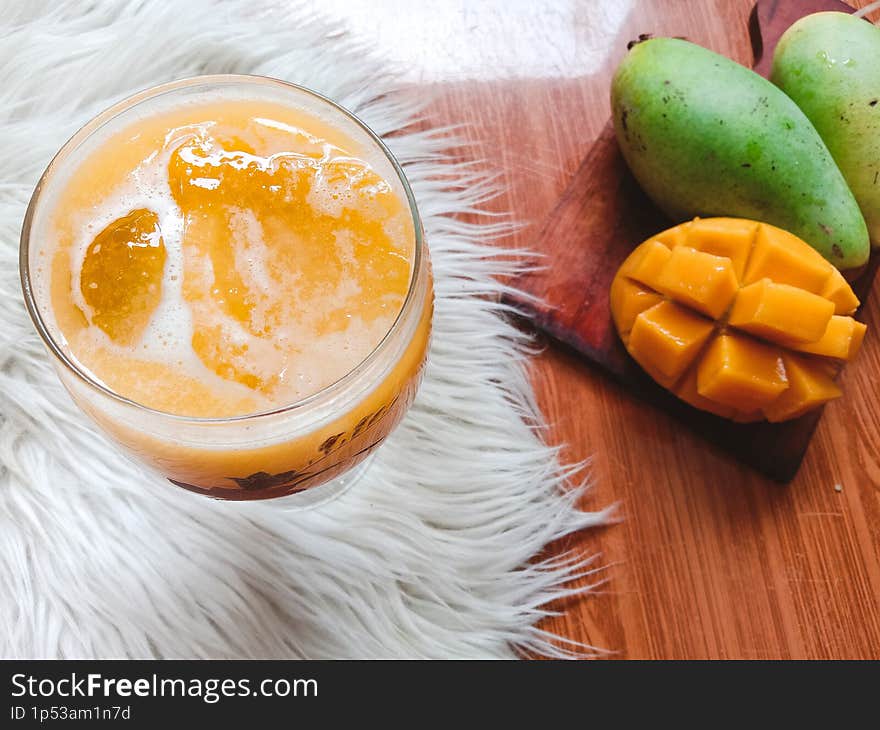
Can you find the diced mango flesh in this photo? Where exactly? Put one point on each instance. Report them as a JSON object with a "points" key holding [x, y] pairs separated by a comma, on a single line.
{"points": [[646, 262], [781, 313], [808, 387], [841, 340], [628, 301], [838, 290], [666, 339], [673, 237], [686, 389], [784, 258], [737, 318], [741, 372], [698, 280], [730, 238]]}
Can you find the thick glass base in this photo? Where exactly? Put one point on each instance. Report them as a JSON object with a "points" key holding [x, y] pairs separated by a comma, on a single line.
{"points": [[324, 493]]}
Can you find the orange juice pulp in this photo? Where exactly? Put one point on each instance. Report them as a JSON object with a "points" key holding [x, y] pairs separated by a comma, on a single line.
{"points": [[231, 258]]}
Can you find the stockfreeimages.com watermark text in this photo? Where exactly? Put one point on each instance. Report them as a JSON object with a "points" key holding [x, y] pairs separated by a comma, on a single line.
{"points": [[209, 690]]}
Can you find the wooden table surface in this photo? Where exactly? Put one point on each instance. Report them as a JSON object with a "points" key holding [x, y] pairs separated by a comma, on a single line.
{"points": [[710, 560]]}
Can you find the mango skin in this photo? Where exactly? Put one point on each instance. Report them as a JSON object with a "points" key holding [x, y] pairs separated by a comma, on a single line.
{"points": [[829, 64], [706, 136]]}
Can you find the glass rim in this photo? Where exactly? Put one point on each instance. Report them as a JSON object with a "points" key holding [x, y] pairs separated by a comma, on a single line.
{"points": [[129, 102]]}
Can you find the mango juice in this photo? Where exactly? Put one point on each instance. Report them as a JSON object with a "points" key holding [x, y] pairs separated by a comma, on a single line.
{"points": [[231, 273]]}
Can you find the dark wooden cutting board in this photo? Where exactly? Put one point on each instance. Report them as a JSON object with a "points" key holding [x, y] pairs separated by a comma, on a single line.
{"points": [[600, 218]]}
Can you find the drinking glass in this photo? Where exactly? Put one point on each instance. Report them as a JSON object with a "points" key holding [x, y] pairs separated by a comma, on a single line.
{"points": [[305, 451]]}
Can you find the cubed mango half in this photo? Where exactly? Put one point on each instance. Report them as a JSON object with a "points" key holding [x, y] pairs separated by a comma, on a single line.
{"points": [[737, 318]]}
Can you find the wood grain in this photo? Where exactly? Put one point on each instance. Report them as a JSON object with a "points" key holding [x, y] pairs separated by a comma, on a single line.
{"points": [[711, 560]]}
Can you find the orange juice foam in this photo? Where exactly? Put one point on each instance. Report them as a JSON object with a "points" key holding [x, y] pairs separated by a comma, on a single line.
{"points": [[225, 258]]}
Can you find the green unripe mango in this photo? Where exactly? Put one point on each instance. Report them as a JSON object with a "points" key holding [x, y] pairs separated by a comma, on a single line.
{"points": [[829, 64], [706, 136]]}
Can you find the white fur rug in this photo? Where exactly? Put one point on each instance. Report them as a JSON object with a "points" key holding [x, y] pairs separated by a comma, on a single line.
{"points": [[432, 554]]}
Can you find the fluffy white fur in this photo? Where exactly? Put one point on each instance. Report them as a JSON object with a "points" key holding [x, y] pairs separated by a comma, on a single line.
{"points": [[432, 554]]}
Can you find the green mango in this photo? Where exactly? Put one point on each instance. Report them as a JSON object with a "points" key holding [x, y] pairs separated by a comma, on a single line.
{"points": [[706, 136], [829, 64]]}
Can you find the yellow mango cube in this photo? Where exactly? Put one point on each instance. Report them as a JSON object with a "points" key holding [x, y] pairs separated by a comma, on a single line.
{"points": [[781, 313], [740, 372], [842, 339], [676, 236], [786, 259], [838, 290], [666, 338], [730, 238], [645, 263], [628, 301], [809, 387], [698, 280], [686, 389]]}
